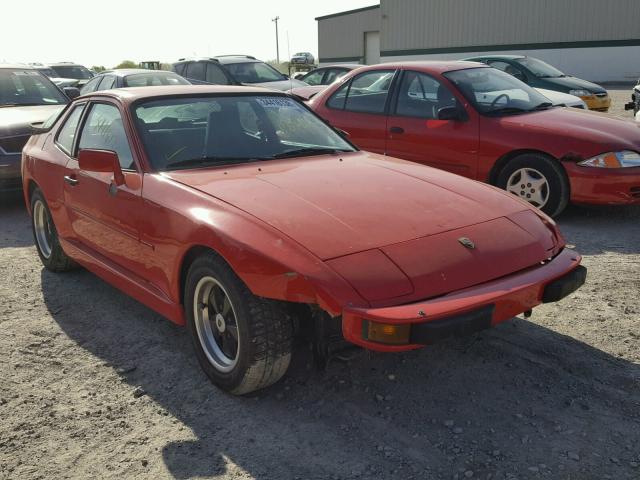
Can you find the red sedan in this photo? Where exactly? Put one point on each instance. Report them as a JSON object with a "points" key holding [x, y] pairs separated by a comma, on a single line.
{"points": [[242, 214], [484, 124]]}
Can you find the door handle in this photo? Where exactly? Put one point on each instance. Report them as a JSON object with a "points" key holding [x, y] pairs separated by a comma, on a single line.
{"points": [[396, 130], [70, 180]]}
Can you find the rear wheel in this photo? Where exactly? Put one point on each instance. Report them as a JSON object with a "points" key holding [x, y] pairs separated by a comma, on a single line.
{"points": [[46, 236], [537, 179], [243, 342]]}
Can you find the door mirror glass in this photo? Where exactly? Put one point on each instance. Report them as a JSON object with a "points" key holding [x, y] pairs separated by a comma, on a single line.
{"points": [[101, 161], [450, 113], [71, 92]]}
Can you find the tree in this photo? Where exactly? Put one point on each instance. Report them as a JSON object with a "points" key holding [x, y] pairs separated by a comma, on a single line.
{"points": [[127, 64], [98, 68]]}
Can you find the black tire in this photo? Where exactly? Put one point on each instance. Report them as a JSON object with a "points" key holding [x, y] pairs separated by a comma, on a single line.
{"points": [[557, 184], [52, 257], [265, 331]]}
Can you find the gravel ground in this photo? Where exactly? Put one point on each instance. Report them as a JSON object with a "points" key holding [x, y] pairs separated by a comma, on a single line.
{"points": [[95, 385]]}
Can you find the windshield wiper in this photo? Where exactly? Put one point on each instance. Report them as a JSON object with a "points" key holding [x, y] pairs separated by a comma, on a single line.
{"points": [[308, 151], [505, 110], [200, 162], [542, 106]]}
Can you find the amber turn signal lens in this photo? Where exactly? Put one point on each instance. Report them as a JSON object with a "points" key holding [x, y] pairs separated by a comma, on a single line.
{"points": [[388, 333]]}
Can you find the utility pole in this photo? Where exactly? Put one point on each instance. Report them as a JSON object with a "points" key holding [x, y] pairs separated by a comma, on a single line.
{"points": [[277, 44]]}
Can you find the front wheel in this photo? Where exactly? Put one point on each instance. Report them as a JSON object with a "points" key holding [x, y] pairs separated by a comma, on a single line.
{"points": [[538, 180], [242, 342]]}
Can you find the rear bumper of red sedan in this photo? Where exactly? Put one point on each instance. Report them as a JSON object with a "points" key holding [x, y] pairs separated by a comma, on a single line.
{"points": [[604, 186], [413, 325]]}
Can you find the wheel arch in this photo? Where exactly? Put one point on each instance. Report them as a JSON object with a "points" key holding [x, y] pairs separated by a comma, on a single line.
{"points": [[502, 162]]}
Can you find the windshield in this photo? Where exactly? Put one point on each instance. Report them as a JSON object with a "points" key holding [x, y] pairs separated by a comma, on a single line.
{"points": [[493, 92], [539, 68], [48, 72], [73, 71], [183, 133], [254, 72], [154, 79], [28, 87]]}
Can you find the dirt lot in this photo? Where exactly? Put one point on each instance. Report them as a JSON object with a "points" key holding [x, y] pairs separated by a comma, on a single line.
{"points": [[94, 385]]}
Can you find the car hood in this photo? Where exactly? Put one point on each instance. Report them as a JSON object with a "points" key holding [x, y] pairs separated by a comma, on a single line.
{"points": [[19, 120], [582, 129], [573, 83], [283, 85], [559, 98], [338, 205]]}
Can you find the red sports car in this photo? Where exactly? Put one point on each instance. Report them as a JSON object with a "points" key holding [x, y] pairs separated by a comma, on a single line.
{"points": [[484, 124], [241, 213]]}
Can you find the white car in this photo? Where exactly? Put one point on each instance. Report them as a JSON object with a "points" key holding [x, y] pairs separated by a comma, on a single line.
{"points": [[563, 99]]}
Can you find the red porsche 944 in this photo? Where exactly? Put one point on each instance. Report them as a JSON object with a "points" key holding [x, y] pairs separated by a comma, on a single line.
{"points": [[240, 213]]}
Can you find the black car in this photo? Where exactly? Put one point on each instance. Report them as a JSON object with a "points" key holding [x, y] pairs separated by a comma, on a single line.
{"points": [[132, 77], [233, 70], [328, 74], [27, 99]]}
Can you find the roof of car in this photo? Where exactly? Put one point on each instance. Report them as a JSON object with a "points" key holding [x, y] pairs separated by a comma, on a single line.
{"points": [[351, 66], [124, 72], [221, 59], [131, 94], [437, 66], [64, 64], [17, 65], [504, 57]]}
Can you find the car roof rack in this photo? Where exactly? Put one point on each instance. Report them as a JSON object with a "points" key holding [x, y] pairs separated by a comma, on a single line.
{"points": [[243, 56], [197, 59]]}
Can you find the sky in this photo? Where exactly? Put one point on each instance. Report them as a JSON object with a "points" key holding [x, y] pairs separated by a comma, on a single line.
{"points": [[105, 33]]}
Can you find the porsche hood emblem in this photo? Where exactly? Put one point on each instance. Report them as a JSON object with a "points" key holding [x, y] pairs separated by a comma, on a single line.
{"points": [[464, 241]]}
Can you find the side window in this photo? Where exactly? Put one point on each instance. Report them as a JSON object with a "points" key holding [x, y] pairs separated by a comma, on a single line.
{"points": [[67, 132], [179, 68], [103, 130], [195, 70], [107, 82], [314, 78], [368, 92], [508, 68], [216, 75], [339, 97], [91, 85], [422, 96], [333, 74]]}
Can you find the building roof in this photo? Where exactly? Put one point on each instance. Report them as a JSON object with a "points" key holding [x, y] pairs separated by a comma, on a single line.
{"points": [[348, 12]]}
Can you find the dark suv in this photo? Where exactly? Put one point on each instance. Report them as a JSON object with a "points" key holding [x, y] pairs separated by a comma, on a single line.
{"points": [[233, 70]]}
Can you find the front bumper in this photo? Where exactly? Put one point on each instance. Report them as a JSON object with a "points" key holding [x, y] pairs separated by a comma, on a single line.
{"points": [[10, 174], [471, 309], [603, 186], [599, 104]]}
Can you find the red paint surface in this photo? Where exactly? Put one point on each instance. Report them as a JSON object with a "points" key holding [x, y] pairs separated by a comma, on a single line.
{"points": [[472, 147], [360, 235]]}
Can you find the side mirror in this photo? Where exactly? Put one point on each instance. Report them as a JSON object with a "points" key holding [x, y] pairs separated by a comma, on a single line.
{"points": [[71, 92], [101, 161], [450, 113], [630, 105]]}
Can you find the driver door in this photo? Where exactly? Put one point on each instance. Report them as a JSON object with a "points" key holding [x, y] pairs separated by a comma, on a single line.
{"points": [[415, 133], [103, 215]]}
